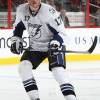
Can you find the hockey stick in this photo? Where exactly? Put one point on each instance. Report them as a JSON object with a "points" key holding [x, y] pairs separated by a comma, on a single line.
{"points": [[73, 51], [91, 49]]}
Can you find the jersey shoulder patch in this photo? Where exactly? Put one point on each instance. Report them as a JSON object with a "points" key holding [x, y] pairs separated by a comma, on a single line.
{"points": [[52, 10]]}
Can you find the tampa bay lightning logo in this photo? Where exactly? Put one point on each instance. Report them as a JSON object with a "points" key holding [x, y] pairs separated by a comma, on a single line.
{"points": [[34, 30]]}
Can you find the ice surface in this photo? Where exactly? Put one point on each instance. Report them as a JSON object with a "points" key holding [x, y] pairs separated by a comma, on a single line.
{"points": [[85, 77]]}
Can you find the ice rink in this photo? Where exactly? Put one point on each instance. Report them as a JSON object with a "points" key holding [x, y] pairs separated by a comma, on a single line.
{"points": [[84, 75]]}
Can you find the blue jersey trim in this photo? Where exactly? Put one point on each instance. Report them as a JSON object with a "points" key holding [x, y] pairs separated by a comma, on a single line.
{"points": [[19, 29], [56, 35]]}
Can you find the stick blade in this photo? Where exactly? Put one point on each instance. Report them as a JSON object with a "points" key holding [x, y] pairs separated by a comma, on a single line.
{"points": [[93, 45]]}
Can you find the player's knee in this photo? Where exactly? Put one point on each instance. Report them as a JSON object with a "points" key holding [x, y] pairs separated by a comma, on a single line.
{"points": [[24, 66], [60, 75], [25, 69]]}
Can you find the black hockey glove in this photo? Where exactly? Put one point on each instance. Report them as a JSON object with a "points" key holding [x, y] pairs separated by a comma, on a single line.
{"points": [[54, 47], [16, 45]]}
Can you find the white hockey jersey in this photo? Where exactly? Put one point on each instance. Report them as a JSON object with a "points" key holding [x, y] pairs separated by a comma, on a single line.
{"points": [[42, 27]]}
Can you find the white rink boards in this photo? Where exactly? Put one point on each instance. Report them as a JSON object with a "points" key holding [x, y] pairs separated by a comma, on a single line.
{"points": [[84, 75]]}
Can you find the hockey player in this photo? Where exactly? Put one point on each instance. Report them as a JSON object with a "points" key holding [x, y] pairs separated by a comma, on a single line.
{"points": [[45, 29]]}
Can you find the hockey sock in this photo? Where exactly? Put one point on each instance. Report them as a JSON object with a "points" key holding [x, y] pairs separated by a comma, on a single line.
{"points": [[62, 78], [25, 71], [31, 88], [68, 91]]}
